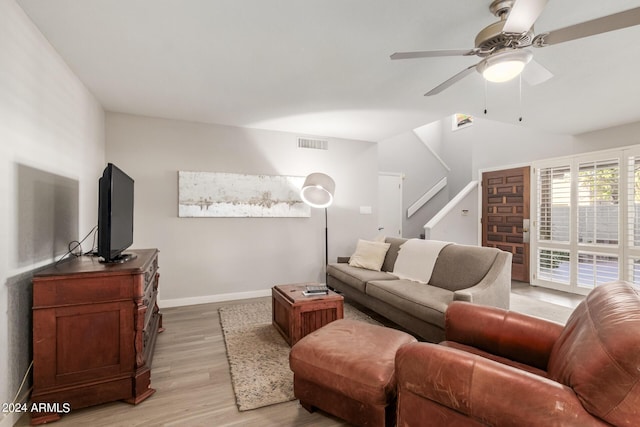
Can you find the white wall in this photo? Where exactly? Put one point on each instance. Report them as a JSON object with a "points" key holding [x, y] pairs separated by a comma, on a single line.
{"points": [[52, 151], [619, 136], [489, 144], [458, 220], [495, 144], [210, 259], [406, 154]]}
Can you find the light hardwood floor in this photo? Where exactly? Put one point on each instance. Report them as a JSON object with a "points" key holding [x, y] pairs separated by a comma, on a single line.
{"points": [[549, 295], [193, 385]]}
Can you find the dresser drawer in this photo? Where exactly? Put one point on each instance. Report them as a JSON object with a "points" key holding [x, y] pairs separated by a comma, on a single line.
{"points": [[150, 274], [150, 302], [72, 291]]}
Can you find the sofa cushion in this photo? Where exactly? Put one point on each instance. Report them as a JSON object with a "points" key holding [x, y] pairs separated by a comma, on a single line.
{"points": [[597, 353], [369, 255], [448, 272], [425, 302], [392, 253], [356, 277]]}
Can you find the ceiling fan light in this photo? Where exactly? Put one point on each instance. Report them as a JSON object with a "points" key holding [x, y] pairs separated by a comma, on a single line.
{"points": [[502, 67], [503, 71]]}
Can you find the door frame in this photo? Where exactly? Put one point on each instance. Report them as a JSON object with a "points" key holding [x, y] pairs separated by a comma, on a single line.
{"points": [[400, 176]]}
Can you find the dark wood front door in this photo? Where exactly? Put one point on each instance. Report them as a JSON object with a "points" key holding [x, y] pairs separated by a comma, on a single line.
{"points": [[505, 216]]}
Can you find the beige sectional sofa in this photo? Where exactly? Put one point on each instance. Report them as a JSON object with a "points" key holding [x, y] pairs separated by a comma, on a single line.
{"points": [[461, 273]]}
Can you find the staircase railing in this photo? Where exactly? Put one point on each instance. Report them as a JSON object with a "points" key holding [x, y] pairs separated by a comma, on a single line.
{"points": [[426, 197], [457, 221]]}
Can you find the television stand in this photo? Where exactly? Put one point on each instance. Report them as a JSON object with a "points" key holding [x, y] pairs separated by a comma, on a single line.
{"points": [[121, 259], [94, 330]]}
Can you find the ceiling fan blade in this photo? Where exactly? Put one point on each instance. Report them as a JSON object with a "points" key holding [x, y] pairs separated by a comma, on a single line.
{"points": [[433, 53], [605, 24], [442, 86], [523, 15], [535, 73]]}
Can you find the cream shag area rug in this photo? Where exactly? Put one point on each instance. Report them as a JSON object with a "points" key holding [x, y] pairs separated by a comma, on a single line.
{"points": [[259, 356]]}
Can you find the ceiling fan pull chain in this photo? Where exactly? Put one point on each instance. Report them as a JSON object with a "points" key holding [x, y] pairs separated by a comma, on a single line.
{"points": [[520, 96], [485, 97]]}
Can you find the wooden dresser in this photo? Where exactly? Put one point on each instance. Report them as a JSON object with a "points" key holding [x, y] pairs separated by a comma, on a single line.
{"points": [[94, 331]]}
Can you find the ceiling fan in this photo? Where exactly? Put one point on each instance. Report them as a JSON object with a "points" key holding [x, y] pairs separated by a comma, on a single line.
{"points": [[503, 44]]}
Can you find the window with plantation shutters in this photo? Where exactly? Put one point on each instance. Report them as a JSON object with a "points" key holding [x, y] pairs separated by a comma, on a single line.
{"points": [[554, 201], [598, 212], [633, 219], [587, 228], [594, 269], [553, 265], [598, 202], [553, 224]]}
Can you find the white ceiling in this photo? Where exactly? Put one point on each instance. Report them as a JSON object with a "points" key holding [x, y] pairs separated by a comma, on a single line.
{"points": [[322, 67]]}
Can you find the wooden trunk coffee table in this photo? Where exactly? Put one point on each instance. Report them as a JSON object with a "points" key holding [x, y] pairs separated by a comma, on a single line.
{"points": [[295, 315]]}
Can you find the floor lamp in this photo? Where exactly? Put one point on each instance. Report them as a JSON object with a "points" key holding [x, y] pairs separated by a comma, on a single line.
{"points": [[317, 191]]}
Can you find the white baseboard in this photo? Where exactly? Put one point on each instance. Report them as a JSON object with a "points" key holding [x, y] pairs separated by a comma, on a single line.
{"points": [[207, 299]]}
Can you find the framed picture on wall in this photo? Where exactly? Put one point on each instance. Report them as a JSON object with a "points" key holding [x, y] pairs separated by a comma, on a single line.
{"points": [[461, 121]]}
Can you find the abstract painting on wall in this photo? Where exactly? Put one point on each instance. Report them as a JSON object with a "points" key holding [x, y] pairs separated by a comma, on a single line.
{"points": [[216, 194]]}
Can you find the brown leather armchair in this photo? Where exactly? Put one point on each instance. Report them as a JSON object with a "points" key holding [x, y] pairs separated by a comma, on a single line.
{"points": [[502, 368]]}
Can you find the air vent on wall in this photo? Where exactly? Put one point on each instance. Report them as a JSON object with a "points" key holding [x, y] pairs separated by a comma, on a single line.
{"points": [[316, 144]]}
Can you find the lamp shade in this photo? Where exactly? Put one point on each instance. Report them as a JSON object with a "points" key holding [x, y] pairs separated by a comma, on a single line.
{"points": [[505, 65], [317, 190]]}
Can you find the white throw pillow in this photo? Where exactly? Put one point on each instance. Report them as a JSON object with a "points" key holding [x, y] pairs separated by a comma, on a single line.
{"points": [[369, 255]]}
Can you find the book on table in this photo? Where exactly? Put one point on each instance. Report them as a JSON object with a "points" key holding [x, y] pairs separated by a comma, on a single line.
{"points": [[315, 290]]}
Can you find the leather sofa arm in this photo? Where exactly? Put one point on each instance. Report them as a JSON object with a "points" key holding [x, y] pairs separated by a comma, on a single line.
{"points": [[512, 335], [479, 388]]}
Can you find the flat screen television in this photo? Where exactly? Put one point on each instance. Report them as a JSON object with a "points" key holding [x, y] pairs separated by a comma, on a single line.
{"points": [[115, 215]]}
